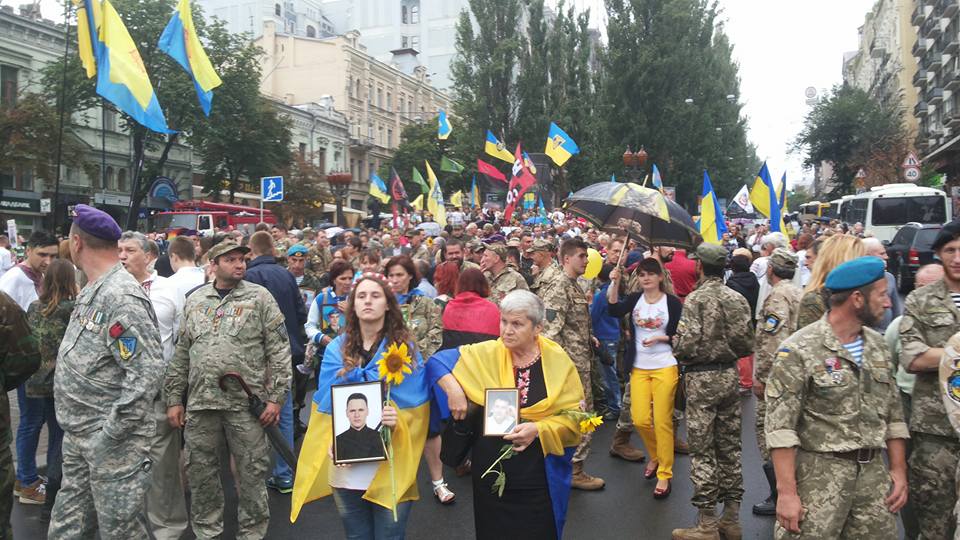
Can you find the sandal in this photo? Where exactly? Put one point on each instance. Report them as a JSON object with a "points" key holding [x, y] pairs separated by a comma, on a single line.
{"points": [[651, 471], [663, 493], [443, 494]]}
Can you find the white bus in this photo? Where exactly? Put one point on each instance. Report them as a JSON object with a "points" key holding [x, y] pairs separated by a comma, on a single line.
{"points": [[884, 209]]}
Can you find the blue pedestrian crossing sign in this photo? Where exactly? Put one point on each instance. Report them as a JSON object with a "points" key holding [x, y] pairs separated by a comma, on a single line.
{"points": [[271, 188]]}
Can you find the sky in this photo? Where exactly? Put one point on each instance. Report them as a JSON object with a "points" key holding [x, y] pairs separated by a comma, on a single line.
{"points": [[782, 47]]}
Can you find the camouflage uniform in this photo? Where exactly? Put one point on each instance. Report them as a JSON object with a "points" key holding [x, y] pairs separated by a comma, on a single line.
{"points": [[568, 323], [546, 276], [778, 319], [713, 332], [19, 357], [108, 373], [812, 307], [422, 316], [929, 319], [313, 281], [950, 388], [468, 264], [319, 259], [280, 248], [506, 281], [821, 403], [422, 253], [243, 332], [49, 330]]}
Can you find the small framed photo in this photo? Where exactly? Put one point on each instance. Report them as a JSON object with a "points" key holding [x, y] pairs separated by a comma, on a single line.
{"points": [[357, 412], [308, 295], [501, 411]]}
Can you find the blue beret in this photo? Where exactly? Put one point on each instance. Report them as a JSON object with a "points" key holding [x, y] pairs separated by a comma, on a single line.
{"points": [[855, 274], [298, 248], [96, 222]]}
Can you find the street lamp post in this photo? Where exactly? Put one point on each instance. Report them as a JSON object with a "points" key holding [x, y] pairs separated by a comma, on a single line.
{"points": [[633, 162], [339, 186]]}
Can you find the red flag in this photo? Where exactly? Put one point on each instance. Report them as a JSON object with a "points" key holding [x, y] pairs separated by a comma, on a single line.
{"points": [[396, 187], [521, 181], [485, 168]]}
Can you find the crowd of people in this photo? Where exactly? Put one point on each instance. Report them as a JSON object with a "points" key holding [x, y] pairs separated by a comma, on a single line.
{"points": [[140, 352]]}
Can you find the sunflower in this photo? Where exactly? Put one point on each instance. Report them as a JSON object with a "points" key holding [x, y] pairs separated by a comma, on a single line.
{"points": [[395, 363], [589, 425]]}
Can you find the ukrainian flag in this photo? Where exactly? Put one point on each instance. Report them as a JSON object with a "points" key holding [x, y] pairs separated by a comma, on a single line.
{"points": [[435, 199], [378, 189], [474, 193], [457, 199], [712, 225], [560, 146], [443, 125], [88, 34], [180, 41], [496, 148], [121, 76], [656, 178], [764, 198]]}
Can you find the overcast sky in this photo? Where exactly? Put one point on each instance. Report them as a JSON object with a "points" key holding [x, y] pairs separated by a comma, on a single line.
{"points": [[783, 47]]}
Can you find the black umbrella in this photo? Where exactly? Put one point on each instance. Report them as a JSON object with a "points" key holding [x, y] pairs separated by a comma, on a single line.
{"points": [[256, 407], [640, 212]]}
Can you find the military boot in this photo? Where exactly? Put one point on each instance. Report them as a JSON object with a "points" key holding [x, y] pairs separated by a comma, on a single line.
{"points": [[622, 449], [769, 506], [584, 481], [707, 527], [730, 521]]}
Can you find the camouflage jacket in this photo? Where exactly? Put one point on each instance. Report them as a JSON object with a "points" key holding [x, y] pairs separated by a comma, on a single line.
{"points": [[818, 399], [422, 316], [778, 319], [313, 281], [812, 308], [110, 364], [422, 253], [929, 319], [49, 330], [503, 283], [950, 380], [19, 354], [319, 259], [551, 274], [714, 326], [568, 319], [242, 332]]}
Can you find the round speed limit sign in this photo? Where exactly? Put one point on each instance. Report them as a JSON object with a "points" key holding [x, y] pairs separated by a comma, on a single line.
{"points": [[911, 174]]}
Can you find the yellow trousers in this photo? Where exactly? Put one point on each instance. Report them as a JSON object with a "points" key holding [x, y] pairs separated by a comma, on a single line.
{"points": [[653, 392]]}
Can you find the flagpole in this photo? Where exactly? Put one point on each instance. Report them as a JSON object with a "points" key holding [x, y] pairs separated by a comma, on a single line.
{"points": [[62, 105]]}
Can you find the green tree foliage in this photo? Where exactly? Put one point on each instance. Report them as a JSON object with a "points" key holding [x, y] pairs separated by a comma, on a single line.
{"points": [[26, 143], [851, 130], [418, 142]]}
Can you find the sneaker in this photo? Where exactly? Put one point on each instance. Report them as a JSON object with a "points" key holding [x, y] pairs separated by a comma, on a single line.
{"points": [[35, 493], [281, 485]]}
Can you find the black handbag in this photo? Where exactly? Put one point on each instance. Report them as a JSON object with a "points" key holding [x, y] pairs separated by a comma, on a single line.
{"points": [[459, 435]]}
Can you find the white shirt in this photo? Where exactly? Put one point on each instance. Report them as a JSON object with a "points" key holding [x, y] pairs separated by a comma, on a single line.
{"points": [[651, 320], [185, 280], [16, 284], [6, 260], [168, 305]]}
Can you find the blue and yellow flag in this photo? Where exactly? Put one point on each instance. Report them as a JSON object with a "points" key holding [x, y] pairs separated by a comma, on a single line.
{"points": [[121, 76], [496, 148], [763, 195], [180, 41], [88, 34], [435, 198], [443, 126], [656, 178], [712, 225], [378, 189], [474, 193], [560, 146]]}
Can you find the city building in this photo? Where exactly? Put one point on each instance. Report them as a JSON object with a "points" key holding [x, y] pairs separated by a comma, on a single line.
{"points": [[938, 111], [299, 17], [378, 99]]}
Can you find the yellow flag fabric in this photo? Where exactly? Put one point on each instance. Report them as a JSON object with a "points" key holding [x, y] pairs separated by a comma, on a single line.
{"points": [[488, 365], [435, 199], [417, 203], [126, 66], [457, 199], [88, 25]]}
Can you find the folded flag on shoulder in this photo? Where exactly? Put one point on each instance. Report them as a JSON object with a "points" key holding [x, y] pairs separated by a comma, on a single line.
{"points": [[560, 146], [443, 126], [496, 148], [180, 41]]}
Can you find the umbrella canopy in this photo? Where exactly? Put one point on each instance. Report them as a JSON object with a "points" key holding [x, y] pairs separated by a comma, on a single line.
{"points": [[430, 228], [643, 213]]}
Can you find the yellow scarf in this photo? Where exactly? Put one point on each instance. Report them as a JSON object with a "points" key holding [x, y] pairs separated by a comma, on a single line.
{"points": [[489, 365]]}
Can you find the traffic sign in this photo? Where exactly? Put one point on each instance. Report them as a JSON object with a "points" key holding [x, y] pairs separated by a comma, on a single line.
{"points": [[271, 189], [911, 161], [911, 174], [861, 173]]}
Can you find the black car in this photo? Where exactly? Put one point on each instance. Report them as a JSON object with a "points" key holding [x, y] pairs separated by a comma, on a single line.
{"points": [[910, 249]]}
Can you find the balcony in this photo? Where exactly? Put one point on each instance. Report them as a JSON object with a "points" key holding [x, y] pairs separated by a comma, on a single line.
{"points": [[920, 47], [920, 78], [934, 60], [878, 52], [931, 28], [950, 9], [920, 109], [953, 119], [951, 44], [360, 142], [935, 95], [918, 15], [950, 80]]}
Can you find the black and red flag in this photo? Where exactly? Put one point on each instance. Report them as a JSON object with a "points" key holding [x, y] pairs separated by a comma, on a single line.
{"points": [[521, 182]]}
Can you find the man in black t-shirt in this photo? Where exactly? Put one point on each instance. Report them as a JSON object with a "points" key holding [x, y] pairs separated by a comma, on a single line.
{"points": [[359, 441]]}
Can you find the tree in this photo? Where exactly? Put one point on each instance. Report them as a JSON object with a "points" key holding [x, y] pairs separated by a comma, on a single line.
{"points": [[418, 142], [851, 130], [304, 191], [26, 143]]}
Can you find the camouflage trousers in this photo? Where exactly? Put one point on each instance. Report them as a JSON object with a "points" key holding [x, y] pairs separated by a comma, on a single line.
{"points": [[761, 434], [104, 483], [206, 433], [165, 504], [713, 432], [842, 499], [6, 492], [583, 449], [933, 490]]}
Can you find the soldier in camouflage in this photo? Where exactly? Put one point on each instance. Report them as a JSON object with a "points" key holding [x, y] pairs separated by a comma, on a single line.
{"points": [[417, 249], [453, 251], [319, 255], [832, 407], [228, 325], [280, 243], [296, 264], [950, 388], [930, 317], [568, 323], [109, 370], [714, 331], [545, 269], [19, 358], [502, 278], [778, 319]]}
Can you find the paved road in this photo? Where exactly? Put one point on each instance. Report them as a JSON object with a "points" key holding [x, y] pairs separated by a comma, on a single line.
{"points": [[625, 509]]}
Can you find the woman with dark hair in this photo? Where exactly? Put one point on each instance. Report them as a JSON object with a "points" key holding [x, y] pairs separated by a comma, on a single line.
{"points": [[48, 317], [649, 365], [445, 278], [470, 317], [364, 492], [324, 320]]}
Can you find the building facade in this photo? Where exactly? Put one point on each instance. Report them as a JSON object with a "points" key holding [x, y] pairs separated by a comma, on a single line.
{"points": [[298, 17], [938, 111]]}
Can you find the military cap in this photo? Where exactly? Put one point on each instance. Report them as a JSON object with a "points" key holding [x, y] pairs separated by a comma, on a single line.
{"points": [[541, 244], [297, 248], [855, 274], [948, 233], [411, 232], [500, 249], [475, 245], [225, 247], [710, 254], [96, 222], [513, 242], [784, 259]]}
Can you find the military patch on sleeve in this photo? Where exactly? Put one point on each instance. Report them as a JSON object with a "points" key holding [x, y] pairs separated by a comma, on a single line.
{"points": [[282, 330], [551, 315], [771, 324], [127, 347], [116, 330], [783, 353]]}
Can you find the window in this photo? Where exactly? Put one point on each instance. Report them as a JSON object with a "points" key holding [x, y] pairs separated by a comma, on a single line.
{"points": [[311, 31], [904, 236], [401, 104], [900, 210], [370, 130], [303, 150], [415, 42], [9, 76], [404, 42], [415, 14], [276, 10], [372, 169], [26, 180], [369, 93], [109, 119], [389, 138], [111, 181], [403, 14], [356, 205], [380, 97], [380, 135], [122, 180], [389, 101], [925, 238], [353, 164], [322, 160], [357, 82], [854, 211], [409, 106], [350, 85], [6, 178]]}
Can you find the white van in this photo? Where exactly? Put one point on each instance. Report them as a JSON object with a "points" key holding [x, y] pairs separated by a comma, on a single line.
{"points": [[884, 209]]}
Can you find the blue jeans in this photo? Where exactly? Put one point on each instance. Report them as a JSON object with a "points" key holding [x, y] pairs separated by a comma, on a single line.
{"points": [[364, 520], [282, 471], [611, 384], [34, 412]]}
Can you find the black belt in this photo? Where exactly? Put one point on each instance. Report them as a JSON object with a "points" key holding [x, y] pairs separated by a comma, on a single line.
{"points": [[714, 366], [861, 455]]}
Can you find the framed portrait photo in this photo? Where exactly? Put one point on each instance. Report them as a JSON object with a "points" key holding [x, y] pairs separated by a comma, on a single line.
{"points": [[357, 409], [501, 411]]}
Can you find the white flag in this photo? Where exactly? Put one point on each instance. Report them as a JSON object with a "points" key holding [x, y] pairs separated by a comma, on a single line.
{"points": [[743, 200]]}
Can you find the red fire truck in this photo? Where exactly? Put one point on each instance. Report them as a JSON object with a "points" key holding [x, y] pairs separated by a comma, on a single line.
{"points": [[203, 217]]}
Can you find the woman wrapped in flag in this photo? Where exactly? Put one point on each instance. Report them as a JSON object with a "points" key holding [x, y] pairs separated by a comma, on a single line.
{"points": [[528, 490], [373, 499]]}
